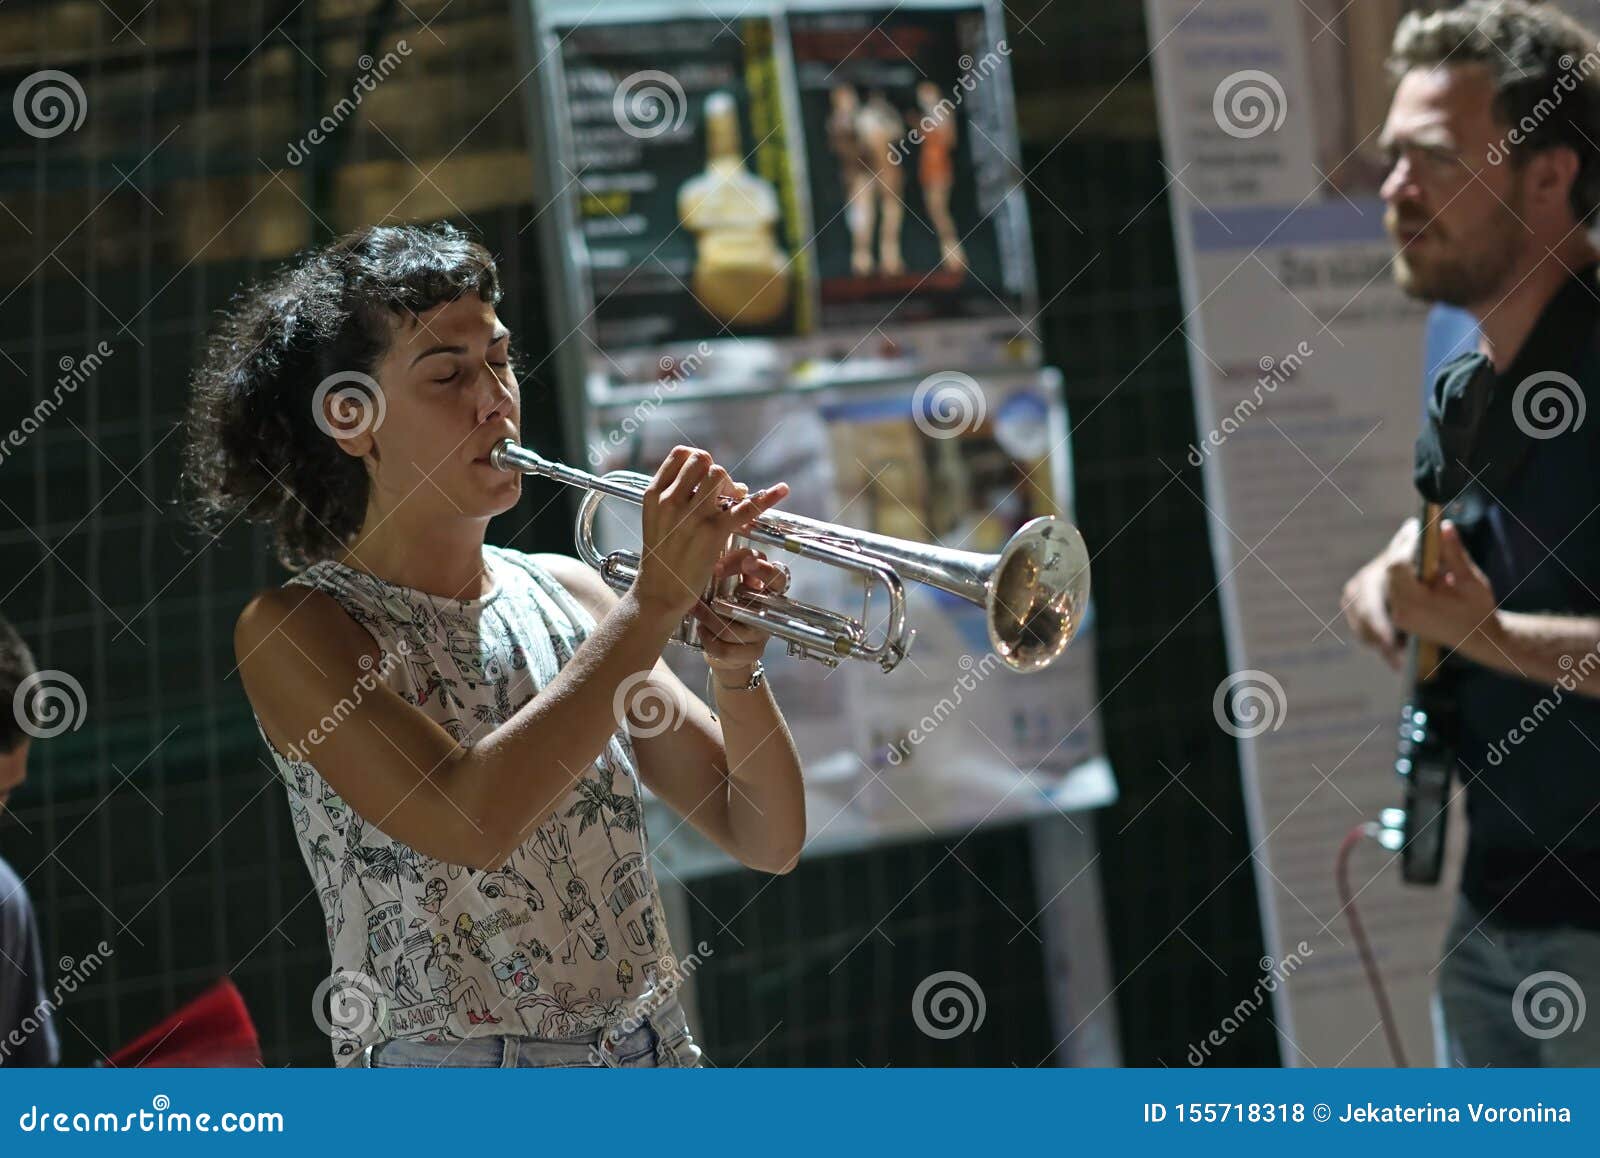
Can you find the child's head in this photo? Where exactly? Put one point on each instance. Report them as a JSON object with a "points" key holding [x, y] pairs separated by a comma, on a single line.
{"points": [[369, 377], [16, 665]]}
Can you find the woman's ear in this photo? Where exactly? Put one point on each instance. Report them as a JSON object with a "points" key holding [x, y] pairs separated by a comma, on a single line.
{"points": [[349, 406]]}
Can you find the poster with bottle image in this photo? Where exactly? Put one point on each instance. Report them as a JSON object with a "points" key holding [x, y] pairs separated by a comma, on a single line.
{"points": [[907, 127], [677, 161]]}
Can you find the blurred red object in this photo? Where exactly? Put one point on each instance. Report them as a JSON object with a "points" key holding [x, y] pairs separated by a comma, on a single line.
{"points": [[212, 1030]]}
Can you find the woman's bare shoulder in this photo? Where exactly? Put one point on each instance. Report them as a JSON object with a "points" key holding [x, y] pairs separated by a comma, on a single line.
{"points": [[280, 623], [582, 580]]}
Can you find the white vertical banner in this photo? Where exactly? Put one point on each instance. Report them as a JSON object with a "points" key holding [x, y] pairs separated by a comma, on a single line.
{"points": [[1306, 364]]}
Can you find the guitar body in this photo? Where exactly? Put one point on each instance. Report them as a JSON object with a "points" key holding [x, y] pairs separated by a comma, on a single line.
{"points": [[1425, 759]]}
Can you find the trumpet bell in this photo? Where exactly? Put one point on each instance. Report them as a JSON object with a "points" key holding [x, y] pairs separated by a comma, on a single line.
{"points": [[1037, 593]]}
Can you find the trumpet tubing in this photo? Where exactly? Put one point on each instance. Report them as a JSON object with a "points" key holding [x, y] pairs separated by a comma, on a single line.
{"points": [[1034, 591]]}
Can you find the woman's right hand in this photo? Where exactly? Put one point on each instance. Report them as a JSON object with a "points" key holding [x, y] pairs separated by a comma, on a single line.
{"points": [[686, 530]]}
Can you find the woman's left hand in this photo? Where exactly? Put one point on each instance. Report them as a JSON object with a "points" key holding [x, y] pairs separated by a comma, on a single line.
{"points": [[732, 649]]}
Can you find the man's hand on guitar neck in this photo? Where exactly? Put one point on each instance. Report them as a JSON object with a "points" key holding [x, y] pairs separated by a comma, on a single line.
{"points": [[1456, 610], [1385, 600], [1366, 596]]}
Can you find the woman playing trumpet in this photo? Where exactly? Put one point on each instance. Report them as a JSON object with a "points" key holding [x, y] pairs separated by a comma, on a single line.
{"points": [[493, 713]]}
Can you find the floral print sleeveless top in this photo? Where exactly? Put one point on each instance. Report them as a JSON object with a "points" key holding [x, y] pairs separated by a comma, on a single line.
{"points": [[554, 942]]}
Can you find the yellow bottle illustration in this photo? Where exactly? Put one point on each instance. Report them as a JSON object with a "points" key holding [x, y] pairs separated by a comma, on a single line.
{"points": [[741, 275]]}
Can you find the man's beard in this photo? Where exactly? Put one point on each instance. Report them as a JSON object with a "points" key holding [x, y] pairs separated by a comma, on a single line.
{"points": [[1457, 273]]}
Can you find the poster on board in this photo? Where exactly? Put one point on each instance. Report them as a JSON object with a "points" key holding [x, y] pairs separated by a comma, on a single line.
{"points": [[678, 162], [1307, 372], [905, 116]]}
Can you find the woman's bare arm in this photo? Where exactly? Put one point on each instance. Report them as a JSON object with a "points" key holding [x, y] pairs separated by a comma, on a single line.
{"points": [[300, 658]]}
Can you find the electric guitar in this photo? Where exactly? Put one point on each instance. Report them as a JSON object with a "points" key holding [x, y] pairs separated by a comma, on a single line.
{"points": [[1425, 760]]}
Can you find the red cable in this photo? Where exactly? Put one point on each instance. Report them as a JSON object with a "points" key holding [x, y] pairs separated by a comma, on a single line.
{"points": [[1341, 874]]}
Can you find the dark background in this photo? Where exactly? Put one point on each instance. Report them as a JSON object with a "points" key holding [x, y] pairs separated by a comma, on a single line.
{"points": [[158, 826]]}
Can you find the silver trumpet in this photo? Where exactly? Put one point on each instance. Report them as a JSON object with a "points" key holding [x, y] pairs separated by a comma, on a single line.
{"points": [[1034, 592]]}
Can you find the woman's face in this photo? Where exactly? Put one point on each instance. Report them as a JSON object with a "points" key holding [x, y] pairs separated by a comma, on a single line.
{"points": [[448, 396]]}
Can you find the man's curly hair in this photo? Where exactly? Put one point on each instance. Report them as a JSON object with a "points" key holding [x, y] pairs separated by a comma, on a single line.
{"points": [[255, 449], [1546, 71]]}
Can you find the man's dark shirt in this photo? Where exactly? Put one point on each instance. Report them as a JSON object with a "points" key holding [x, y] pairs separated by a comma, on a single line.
{"points": [[1533, 851], [22, 981]]}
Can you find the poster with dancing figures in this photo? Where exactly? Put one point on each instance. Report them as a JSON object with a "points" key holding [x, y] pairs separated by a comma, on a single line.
{"points": [[906, 122]]}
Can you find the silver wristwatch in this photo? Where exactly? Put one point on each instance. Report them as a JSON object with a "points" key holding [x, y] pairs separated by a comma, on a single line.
{"points": [[758, 676]]}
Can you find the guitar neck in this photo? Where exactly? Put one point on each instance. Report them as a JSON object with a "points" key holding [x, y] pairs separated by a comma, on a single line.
{"points": [[1425, 656]]}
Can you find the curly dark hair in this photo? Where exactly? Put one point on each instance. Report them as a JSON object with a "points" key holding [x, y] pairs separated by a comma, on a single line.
{"points": [[1546, 76], [255, 449], [16, 665]]}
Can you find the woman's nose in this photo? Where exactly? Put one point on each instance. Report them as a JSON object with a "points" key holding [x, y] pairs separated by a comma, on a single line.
{"points": [[494, 397]]}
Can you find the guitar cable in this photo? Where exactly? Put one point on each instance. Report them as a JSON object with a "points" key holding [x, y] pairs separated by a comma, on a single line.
{"points": [[1366, 830]]}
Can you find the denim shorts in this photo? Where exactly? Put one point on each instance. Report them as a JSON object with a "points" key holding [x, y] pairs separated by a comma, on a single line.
{"points": [[658, 1039]]}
